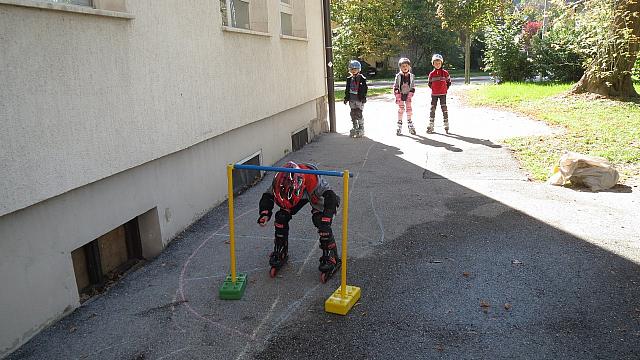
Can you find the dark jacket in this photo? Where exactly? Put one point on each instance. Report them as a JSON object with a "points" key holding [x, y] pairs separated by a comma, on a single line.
{"points": [[362, 88]]}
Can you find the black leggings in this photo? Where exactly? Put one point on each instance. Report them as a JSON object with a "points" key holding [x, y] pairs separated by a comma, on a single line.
{"points": [[443, 105]]}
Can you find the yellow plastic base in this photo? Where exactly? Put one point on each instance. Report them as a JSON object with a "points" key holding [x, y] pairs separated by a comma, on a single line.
{"points": [[341, 305]]}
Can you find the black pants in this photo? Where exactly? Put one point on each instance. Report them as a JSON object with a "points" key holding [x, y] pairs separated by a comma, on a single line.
{"points": [[443, 105]]}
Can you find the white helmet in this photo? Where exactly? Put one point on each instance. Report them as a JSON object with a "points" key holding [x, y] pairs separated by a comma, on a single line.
{"points": [[404, 60], [436, 57]]}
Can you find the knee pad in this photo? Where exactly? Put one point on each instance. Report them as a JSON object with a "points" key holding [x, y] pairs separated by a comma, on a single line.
{"points": [[282, 224], [327, 243]]}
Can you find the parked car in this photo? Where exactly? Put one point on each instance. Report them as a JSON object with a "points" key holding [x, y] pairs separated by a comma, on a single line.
{"points": [[367, 69]]}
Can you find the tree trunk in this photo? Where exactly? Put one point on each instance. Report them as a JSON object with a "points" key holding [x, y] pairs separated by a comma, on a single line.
{"points": [[467, 56], [617, 82]]}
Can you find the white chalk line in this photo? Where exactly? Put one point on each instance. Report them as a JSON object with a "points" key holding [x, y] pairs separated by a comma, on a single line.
{"points": [[262, 323], [352, 187], [181, 281], [223, 275], [292, 308], [173, 310], [174, 352], [375, 213], [107, 348]]}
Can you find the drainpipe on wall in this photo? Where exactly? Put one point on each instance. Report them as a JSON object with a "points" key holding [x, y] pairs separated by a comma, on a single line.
{"points": [[329, 58]]}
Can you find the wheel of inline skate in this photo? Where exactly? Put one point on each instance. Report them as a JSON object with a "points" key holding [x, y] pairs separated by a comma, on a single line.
{"points": [[323, 278], [273, 272]]}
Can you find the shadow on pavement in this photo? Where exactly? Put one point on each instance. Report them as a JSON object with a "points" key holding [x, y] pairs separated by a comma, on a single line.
{"points": [[471, 278], [485, 142], [434, 143], [445, 272]]}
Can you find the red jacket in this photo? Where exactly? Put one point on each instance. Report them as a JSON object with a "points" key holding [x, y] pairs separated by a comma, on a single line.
{"points": [[439, 81]]}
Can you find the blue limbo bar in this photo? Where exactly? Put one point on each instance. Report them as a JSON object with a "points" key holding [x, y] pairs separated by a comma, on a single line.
{"points": [[283, 169]]}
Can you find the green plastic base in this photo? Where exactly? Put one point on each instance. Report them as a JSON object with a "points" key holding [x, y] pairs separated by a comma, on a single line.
{"points": [[231, 291]]}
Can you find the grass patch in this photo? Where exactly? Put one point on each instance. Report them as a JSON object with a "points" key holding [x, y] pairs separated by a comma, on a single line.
{"points": [[599, 127], [371, 92]]}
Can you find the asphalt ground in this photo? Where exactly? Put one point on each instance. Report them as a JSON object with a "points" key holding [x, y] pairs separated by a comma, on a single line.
{"points": [[457, 253]]}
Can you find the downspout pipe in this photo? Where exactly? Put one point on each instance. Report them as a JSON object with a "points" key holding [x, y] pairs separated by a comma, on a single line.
{"points": [[329, 65]]}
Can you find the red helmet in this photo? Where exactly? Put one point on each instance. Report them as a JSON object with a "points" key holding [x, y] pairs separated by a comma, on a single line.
{"points": [[288, 188]]}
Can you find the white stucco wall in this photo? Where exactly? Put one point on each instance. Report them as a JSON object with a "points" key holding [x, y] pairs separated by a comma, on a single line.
{"points": [[106, 118], [36, 270], [84, 97]]}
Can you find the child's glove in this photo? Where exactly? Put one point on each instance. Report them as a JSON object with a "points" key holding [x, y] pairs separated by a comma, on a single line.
{"points": [[265, 215], [398, 98]]}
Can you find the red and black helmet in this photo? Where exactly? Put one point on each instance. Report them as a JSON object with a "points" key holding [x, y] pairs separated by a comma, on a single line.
{"points": [[288, 188]]}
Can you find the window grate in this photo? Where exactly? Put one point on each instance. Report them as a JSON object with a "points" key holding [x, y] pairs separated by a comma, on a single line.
{"points": [[299, 139]]}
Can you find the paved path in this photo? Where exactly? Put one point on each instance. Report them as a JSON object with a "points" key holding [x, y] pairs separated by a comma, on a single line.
{"points": [[374, 83], [458, 255]]}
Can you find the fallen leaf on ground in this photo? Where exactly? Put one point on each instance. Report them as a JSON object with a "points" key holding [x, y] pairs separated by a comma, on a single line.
{"points": [[466, 274], [484, 305], [440, 347], [507, 306]]}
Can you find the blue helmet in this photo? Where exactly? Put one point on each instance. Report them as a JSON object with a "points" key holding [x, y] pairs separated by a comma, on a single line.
{"points": [[355, 64]]}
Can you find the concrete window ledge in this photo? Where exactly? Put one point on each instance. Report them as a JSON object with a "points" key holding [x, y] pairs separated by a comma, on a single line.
{"points": [[288, 37], [243, 31], [68, 8]]}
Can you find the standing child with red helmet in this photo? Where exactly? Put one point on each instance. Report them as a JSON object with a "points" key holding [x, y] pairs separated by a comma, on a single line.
{"points": [[404, 87], [439, 82], [291, 192]]}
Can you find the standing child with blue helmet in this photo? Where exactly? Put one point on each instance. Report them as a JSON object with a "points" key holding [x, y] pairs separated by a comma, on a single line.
{"points": [[355, 94], [439, 82], [404, 87]]}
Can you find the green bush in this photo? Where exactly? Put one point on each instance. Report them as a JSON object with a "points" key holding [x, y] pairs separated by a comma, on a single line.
{"points": [[505, 55], [635, 72], [553, 56]]}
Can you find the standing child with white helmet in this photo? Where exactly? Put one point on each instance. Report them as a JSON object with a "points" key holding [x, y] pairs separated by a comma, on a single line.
{"points": [[439, 82], [355, 94], [404, 87]]}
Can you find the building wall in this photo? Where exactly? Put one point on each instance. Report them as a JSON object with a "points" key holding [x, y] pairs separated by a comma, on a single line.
{"points": [[105, 119], [84, 97], [36, 269]]}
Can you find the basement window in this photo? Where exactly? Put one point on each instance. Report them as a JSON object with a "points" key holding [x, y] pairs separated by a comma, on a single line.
{"points": [[103, 261], [299, 139], [244, 179]]}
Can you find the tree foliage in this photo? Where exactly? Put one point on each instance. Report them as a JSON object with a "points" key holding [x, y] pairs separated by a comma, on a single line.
{"points": [[469, 16], [505, 53], [364, 28], [423, 34], [609, 37]]}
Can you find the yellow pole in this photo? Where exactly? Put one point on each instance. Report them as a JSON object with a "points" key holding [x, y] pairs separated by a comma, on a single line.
{"points": [[232, 247], [345, 236]]}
